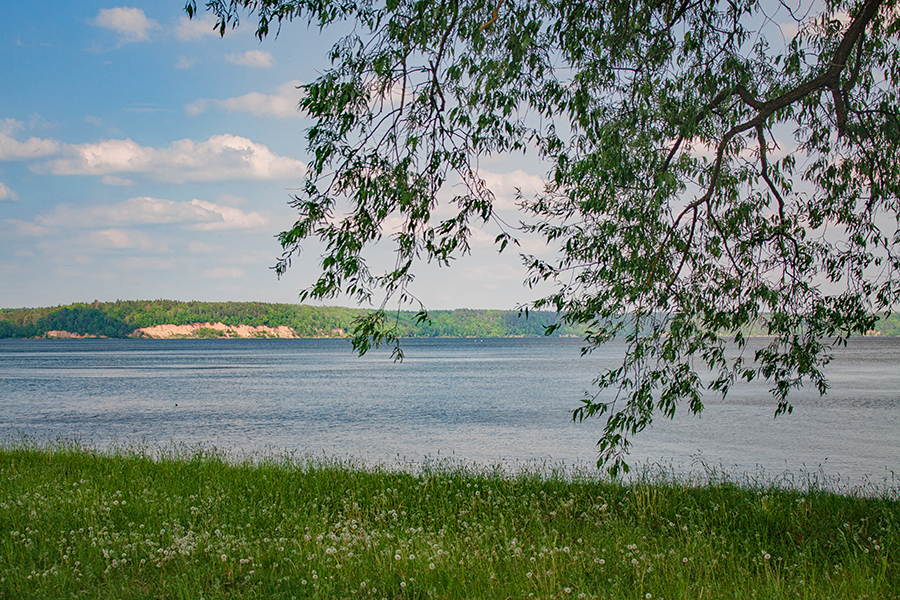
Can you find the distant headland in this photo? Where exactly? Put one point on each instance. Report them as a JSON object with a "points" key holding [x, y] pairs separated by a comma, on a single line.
{"points": [[168, 319]]}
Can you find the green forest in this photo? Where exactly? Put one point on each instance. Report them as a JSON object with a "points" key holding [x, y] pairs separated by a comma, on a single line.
{"points": [[122, 318]]}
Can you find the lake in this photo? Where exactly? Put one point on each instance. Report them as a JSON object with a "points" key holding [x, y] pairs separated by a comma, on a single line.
{"points": [[487, 401]]}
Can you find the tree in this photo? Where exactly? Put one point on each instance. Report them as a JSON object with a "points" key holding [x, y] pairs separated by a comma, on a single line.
{"points": [[709, 170]]}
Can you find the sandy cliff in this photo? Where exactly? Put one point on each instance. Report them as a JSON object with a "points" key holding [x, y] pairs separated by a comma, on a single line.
{"points": [[234, 331]]}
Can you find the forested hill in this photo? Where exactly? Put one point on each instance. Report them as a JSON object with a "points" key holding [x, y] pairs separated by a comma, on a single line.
{"points": [[124, 318]]}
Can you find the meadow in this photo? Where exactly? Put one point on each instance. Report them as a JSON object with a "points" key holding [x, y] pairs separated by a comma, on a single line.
{"points": [[170, 523]]}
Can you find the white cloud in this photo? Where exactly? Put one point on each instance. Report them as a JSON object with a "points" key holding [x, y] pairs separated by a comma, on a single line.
{"points": [[23, 228], [24, 254], [6, 194], [505, 186], [200, 215], [119, 239], [9, 126], [196, 107], [224, 273], [231, 199], [12, 149], [189, 30], [115, 180], [227, 217], [283, 103], [789, 30], [258, 59], [223, 157], [131, 24], [186, 62]]}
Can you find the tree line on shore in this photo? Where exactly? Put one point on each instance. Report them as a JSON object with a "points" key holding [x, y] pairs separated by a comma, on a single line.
{"points": [[122, 318]]}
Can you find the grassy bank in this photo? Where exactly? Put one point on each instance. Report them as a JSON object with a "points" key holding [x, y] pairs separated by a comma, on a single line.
{"points": [[79, 524]]}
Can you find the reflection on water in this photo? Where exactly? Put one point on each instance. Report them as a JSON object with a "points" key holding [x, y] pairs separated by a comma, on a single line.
{"points": [[477, 400]]}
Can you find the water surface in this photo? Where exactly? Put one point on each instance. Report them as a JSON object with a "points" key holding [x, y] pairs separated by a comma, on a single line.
{"points": [[481, 400]]}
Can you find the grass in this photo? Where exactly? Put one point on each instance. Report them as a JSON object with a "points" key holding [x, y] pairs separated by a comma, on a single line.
{"points": [[134, 524]]}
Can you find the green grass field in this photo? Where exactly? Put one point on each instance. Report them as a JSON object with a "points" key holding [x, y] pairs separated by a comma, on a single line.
{"points": [[133, 524]]}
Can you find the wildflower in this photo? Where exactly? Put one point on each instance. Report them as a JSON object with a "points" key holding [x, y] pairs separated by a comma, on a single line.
{"points": [[224, 558], [431, 566]]}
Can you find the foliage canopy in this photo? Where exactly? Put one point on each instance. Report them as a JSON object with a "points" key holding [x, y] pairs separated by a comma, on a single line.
{"points": [[712, 165]]}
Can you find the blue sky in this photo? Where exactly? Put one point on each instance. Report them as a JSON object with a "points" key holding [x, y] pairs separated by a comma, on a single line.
{"points": [[142, 156]]}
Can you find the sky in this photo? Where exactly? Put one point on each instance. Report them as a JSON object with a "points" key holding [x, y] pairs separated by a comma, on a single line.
{"points": [[143, 156]]}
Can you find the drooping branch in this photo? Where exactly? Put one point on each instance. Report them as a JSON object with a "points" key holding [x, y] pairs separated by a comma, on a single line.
{"points": [[825, 80], [764, 170], [828, 79]]}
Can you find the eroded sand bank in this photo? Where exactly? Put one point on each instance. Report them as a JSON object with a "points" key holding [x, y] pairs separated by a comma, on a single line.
{"points": [[239, 331]]}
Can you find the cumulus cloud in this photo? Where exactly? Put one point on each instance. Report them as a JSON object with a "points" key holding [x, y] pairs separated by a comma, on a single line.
{"points": [[283, 103], [223, 157], [6, 194], [258, 59], [12, 149], [116, 180], [197, 107], [130, 24], [506, 185], [197, 214], [10, 126], [23, 228], [190, 30]]}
